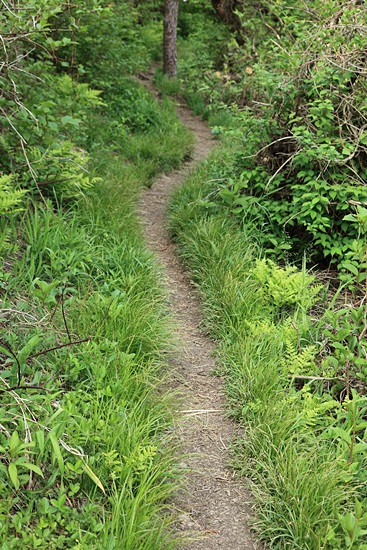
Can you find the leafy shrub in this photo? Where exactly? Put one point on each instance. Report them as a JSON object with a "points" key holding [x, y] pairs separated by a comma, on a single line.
{"points": [[296, 90], [41, 108]]}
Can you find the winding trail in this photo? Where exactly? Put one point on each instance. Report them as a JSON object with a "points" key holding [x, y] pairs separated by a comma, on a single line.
{"points": [[214, 509]]}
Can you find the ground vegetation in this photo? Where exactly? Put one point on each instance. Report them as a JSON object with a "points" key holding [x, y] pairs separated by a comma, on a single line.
{"points": [[285, 194], [272, 228], [85, 445], [296, 89]]}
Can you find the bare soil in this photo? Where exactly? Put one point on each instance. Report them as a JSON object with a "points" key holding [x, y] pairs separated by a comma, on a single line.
{"points": [[214, 508]]}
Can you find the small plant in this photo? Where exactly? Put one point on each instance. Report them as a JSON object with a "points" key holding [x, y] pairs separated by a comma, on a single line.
{"points": [[285, 286], [356, 258], [346, 335], [16, 460], [10, 198], [351, 530]]}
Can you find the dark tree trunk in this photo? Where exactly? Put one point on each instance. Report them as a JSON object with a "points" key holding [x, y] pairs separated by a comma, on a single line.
{"points": [[170, 35], [225, 9]]}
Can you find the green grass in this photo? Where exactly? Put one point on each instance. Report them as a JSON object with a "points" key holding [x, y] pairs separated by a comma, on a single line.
{"points": [[299, 471], [168, 86], [95, 428], [197, 103]]}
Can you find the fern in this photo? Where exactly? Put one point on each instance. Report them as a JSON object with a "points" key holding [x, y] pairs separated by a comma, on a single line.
{"points": [[10, 198], [282, 332], [315, 408], [63, 168], [262, 328], [141, 458], [285, 286], [139, 461], [295, 362]]}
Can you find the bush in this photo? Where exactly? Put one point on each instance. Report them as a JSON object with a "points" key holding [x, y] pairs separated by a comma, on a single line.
{"points": [[296, 90]]}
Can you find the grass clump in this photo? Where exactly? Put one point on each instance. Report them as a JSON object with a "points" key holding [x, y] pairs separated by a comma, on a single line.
{"points": [[167, 85]]}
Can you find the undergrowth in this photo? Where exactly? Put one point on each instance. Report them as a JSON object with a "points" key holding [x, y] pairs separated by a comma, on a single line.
{"points": [[304, 447], [291, 94], [85, 445], [85, 458], [287, 185], [85, 451]]}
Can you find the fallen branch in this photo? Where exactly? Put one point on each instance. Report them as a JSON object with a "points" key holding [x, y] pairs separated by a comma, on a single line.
{"points": [[14, 388], [317, 378], [43, 352], [6, 346]]}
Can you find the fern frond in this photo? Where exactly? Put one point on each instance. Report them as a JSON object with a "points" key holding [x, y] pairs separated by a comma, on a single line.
{"points": [[303, 362], [285, 286], [10, 198]]}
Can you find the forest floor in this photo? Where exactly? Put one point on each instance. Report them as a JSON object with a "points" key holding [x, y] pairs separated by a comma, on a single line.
{"points": [[214, 508]]}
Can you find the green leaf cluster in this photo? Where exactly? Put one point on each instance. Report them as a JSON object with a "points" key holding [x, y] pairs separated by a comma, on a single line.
{"points": [[285, 286], [55, 55], [295, 91]]}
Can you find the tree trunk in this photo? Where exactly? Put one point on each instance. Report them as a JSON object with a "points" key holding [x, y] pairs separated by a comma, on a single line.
{"points": [[226, 11], [170, 35]]}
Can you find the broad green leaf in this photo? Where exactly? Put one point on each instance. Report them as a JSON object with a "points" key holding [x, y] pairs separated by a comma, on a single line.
{"points": [[70, 120], [358, 506], [30, 466], [360, 448], [40, 436], [14, 442], [26, 351], [348, 522], [350, 218], [46, 287], [343, 333], [350, 267], [6, 352], [337, 432], [13, 474]]}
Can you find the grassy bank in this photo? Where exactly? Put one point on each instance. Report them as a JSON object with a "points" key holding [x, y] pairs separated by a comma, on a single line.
{"points": [[304, 443], [86, 455], [292, 346]]}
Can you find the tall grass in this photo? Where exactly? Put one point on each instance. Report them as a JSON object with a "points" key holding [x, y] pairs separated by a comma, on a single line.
{"points": [[97, 421], [298, 474]]}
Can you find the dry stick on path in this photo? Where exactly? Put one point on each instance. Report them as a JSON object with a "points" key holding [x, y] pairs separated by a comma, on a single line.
{"points": [[212, 513]]}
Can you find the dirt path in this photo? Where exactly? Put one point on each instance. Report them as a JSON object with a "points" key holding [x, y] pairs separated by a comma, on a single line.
{"points": [[214, 509]]}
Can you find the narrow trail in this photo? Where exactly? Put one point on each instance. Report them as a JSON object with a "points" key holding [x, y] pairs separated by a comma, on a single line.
{"points": [[214, 509]]}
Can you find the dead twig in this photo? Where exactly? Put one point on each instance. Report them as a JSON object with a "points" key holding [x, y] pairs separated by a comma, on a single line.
{"points": [[63, 311], [60, 346], [7, 347], [14, 388], [316, 378]]}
